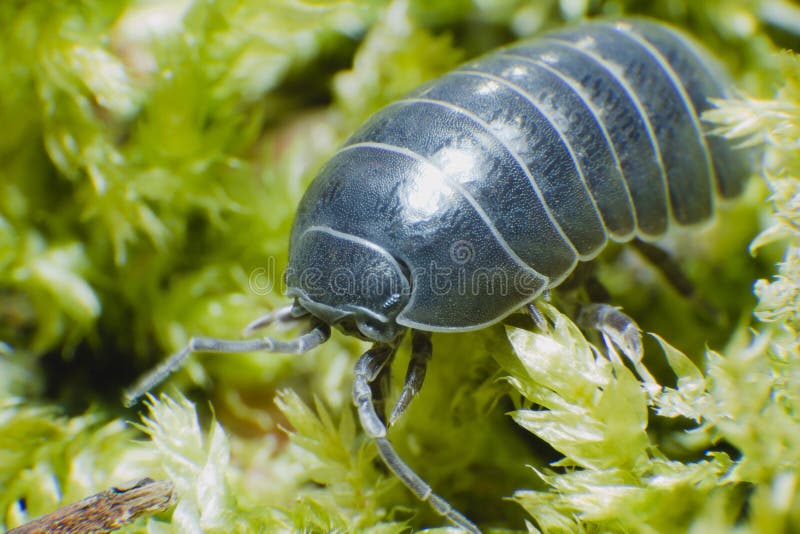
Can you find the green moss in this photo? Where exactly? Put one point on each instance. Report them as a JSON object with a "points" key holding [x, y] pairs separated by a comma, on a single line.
{"points": [[152, 155]]}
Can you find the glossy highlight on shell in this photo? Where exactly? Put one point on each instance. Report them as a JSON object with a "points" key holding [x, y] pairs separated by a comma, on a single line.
{"points": [[532, 158], [464, 201]]}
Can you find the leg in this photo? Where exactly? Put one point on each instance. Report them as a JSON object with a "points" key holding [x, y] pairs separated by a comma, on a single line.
{"points": [[661, 260], [318, 335], [612, 322], [381, 385], [619, 329], [536, 315], [609, 320], [421, 350], [596, 291], [367, 369], [666, 264], [368, 366]]}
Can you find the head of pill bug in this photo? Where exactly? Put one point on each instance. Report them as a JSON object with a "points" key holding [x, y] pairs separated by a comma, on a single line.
{"points": [[348, 282]]}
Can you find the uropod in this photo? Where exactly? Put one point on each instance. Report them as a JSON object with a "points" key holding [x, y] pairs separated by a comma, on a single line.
{"points": [[464, 201]]}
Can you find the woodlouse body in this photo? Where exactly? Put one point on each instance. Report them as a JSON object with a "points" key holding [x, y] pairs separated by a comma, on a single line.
{"points": [[456, 205]]}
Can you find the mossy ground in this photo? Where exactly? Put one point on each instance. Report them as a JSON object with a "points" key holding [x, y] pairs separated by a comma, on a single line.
{"points": [[152, 154]]}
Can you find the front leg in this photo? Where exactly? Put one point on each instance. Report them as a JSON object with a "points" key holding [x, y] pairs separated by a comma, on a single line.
{"points": [[367, 369], [421, 351]]}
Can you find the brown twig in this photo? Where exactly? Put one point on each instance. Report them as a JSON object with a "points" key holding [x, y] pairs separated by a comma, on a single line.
{"points": [[105, 511]]}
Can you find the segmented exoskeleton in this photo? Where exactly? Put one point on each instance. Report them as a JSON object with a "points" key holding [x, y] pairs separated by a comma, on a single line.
{"points": [[462, 202]]}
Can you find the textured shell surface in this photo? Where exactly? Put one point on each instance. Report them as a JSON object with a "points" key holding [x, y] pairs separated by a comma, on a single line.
{"points": [[466, 199]]}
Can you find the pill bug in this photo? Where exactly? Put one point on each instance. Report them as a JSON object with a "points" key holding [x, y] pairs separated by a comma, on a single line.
{"points": [[458, 204]]}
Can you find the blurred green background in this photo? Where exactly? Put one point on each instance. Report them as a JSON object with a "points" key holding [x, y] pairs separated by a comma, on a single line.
{"points": [[152, 154]]}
